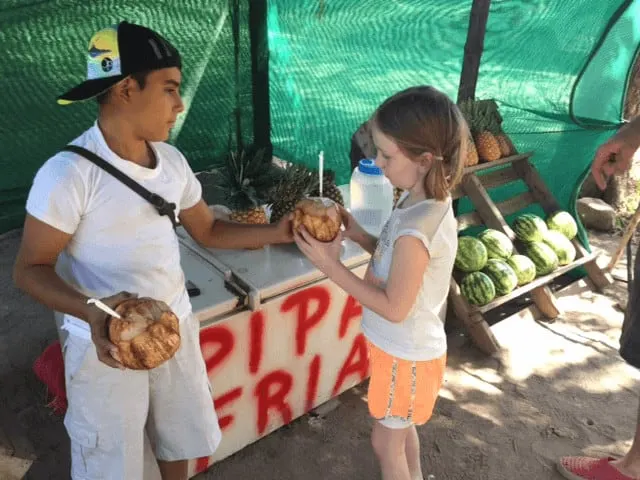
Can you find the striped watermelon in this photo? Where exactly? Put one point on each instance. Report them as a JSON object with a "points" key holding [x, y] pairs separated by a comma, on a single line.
{"points": [[529, 227], [502, 276], [498, 244], [564, 223], [543, 257], [524, 268], [561, 245], [477, 288], [471, 255]]}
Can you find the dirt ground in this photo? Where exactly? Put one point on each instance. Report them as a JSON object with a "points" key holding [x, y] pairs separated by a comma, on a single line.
{"points": [[557, 388]]}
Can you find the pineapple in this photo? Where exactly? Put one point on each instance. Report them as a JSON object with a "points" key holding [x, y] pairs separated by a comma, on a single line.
{"points": [[329, 188], [506, 145], [488, 147], [505, 150], [472, 154], [484, 128], [296, 182], [254, 216], [485, 123], [466, 108], [482, 125], [244, 183]]}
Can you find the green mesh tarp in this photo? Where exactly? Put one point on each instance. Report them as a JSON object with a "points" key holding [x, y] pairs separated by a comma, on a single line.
{"points": [[44, 43], [305, 74], [333, 62], [561, 89]]}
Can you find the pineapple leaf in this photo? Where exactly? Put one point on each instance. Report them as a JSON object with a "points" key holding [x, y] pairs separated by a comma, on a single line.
{"points": [[245, 179], [296, 182]]}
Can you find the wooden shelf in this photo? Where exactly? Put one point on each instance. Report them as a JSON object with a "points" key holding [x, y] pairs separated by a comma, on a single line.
{"points": [[475, 182], [506, 208], [503, 161], [493, 174], [538, 282]]}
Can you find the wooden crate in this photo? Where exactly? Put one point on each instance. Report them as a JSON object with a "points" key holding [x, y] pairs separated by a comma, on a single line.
{"points": [[474, 185]]}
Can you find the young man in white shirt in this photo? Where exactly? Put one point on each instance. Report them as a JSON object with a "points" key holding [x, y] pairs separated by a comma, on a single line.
{"points": [[87, 235]]}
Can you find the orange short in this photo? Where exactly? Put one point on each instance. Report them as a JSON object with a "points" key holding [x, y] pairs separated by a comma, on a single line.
{"points": [[403, 392]]}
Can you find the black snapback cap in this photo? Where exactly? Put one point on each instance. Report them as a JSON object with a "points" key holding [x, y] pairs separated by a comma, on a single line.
{"points": [[117, 52]]}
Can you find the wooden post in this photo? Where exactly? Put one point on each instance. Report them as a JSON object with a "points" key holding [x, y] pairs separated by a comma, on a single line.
{"points": [[472, 55], [234, 7], [260, 74], [473, 49]]}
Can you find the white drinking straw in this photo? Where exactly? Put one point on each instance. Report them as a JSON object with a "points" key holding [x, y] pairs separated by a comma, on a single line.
{"points": [[321, 160]]}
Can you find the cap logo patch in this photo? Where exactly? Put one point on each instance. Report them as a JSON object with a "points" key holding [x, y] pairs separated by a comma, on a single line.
{"points": [[103, 56]]}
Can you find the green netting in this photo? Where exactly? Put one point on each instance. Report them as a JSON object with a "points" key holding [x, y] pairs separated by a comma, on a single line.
{"points": [[44, 44], [604, 75], [561, 90], [309, 72], [332, 63]]}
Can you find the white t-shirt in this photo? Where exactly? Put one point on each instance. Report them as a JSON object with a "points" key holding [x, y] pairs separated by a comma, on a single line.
{"points": [[120, 242], [421, 335]]}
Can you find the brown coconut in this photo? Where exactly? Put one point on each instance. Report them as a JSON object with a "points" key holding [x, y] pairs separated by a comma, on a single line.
{"points": [[147, 335], [320, 216]]}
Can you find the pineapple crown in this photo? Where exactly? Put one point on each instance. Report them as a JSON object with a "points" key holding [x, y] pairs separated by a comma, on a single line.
{"points": [[481, 115], [245, 179], [296, 181]]}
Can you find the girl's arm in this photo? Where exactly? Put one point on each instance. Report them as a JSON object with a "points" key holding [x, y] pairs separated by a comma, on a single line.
{"points": [[366, 241], [394, 302]]}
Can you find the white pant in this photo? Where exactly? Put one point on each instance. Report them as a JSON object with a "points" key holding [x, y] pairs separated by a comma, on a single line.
{"points": [[120, 421]]}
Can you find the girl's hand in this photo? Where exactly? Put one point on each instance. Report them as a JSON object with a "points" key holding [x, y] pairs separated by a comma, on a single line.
{"points": [[323, 255], [352, 229]]}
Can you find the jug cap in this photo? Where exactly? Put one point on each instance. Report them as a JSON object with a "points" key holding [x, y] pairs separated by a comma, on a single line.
{"points": [[369, 167]]}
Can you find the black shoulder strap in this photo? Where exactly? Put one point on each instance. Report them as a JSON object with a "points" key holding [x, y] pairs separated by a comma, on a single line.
{"points": [[163, 207]]}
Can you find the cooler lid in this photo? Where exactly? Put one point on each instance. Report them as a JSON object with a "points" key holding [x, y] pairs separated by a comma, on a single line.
{"points": [[215, 297], [272, 270]]}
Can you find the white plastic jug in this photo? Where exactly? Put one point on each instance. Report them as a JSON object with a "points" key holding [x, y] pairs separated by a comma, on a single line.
{"points": [[371, 195]]}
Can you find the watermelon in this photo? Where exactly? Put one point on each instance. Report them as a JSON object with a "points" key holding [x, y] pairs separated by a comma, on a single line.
{"points": [[561, 245], [498, 244], [564, 223], [471, 255], [543, 257], [477, 288], [502, 276], [529, 227], [524, 268]]}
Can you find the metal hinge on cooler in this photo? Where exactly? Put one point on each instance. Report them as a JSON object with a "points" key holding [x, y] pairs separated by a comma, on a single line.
{"points": [[249, 295]]}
